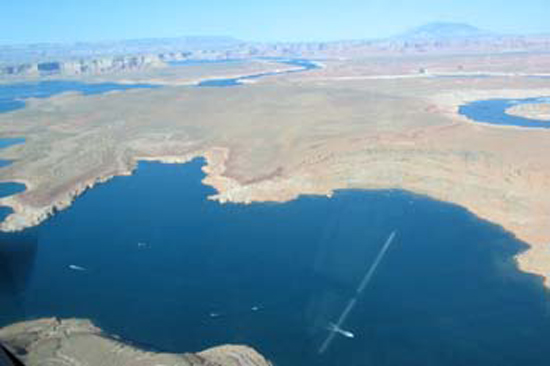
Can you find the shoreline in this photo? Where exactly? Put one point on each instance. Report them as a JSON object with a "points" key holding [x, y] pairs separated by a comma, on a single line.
{"points": [[77, 341], [230, 190]]}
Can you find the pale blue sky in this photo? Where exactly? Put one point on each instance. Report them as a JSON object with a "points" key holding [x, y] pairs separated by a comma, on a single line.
{"points": [[24, 21]]}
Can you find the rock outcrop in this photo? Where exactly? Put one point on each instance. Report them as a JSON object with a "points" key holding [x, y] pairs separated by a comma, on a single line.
{"points": [[78, 342]]}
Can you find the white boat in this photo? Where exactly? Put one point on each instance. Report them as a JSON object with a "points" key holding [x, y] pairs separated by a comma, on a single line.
{"points": [[336, 329], [74, 267]]}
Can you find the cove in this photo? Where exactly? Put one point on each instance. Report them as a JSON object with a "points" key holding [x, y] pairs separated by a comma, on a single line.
{"points": [[12, 95], [9, 188], [494, 111], [163, 266], [12, 98]]}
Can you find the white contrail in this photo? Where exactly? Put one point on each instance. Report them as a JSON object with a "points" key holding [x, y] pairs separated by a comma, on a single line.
{"points": [[351, 304], [372, 269]]}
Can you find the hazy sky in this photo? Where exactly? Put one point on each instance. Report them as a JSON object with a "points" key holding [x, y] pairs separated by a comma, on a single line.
{"points": [[24, 21]]}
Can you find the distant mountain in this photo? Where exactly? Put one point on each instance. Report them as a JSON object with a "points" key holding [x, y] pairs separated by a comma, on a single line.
{"points": [[443, 31], [140, 54], [85, 50]]}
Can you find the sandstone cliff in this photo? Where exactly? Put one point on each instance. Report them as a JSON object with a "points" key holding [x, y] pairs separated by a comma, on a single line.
{"points": [[92, 58], [79, 67]]}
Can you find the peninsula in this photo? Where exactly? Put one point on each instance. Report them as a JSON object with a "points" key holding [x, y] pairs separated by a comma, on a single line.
{"points": [[79, 342], [369, 120], [539, 111]]}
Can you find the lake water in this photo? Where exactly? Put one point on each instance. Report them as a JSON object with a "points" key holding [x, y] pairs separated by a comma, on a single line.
{"points": [[9, 188], [494, 111], [157, 263], [162, 266], [12, 95], [303, 64]]}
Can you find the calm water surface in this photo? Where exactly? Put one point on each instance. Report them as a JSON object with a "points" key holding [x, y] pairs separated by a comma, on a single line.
{"points": [[494, 111], [12, 96], [163, 266], [304, 64], [149, 258]]}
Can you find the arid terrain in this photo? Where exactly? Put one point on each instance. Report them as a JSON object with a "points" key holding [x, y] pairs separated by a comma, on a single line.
{"points": [[370, 123]]}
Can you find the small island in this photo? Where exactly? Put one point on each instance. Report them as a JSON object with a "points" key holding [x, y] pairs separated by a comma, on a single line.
{"points": [[538, 111]]}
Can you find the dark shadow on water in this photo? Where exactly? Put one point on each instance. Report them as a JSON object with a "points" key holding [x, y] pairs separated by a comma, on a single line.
{"points": [[163, 266], [17, 256]]}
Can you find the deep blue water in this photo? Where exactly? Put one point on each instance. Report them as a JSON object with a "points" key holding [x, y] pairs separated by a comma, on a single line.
{"points": [[159, 260], [494, 111], [9, 188], [12, 95], [304, 64]]}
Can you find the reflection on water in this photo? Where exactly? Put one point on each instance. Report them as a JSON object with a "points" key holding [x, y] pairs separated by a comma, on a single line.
{"points": [[161, 265]]}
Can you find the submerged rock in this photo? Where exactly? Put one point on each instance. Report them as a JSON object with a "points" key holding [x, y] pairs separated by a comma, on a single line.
{"points": [[54, 341]]}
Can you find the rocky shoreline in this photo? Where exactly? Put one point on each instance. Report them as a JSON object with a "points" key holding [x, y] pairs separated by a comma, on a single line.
{"points": [[276, 141], [53, 341], [283, 189]]}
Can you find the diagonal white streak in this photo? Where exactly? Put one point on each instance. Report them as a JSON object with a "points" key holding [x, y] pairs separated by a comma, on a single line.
{"points": [[364, 283]]}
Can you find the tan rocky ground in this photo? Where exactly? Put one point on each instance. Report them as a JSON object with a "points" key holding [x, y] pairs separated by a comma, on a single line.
{"points": [[75, 342], [303, 133]]}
